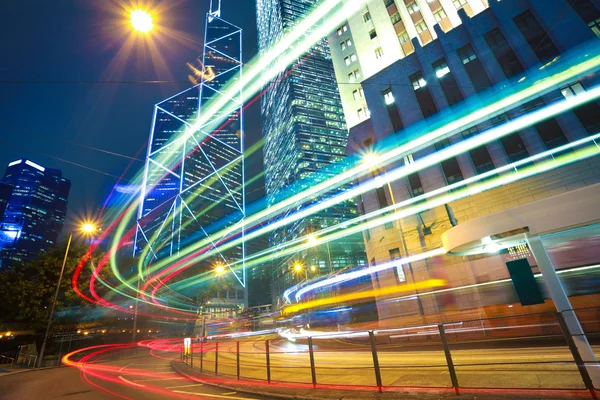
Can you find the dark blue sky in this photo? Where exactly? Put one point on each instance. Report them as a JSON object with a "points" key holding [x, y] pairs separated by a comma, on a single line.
{"points": [[46, 42]]}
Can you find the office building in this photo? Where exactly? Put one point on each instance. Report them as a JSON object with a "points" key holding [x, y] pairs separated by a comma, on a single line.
{"points": [[194, 177], [494, 54], [381, 34], [305, 135], [34, 213]]}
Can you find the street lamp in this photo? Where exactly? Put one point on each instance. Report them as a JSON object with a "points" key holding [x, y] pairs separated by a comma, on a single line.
{"points": [[141, 21], [219, 269], [298, 268], [87, 228], [372, 159]]}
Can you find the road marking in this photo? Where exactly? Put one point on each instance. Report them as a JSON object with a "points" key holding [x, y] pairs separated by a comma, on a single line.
{"points": [[159, 379], [125, 367], [184, 386], [214, 395], [229, 394], [129, 382]]}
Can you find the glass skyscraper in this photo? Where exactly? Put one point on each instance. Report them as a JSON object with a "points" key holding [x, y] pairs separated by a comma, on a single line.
{"points": [[34, 212], [194, 175], [305, 134]]}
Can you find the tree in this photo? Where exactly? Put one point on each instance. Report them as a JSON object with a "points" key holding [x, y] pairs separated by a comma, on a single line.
{"points": [[28, 288]]}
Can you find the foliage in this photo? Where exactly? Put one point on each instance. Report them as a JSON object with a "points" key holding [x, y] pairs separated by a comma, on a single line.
{"points": [[28, 289]]}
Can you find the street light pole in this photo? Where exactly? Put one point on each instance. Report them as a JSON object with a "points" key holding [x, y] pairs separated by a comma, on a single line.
{"points": [[62, 270], [135, 312]]}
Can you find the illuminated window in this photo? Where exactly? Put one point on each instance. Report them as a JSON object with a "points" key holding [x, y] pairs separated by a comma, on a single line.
{"points": [[347, 60], [572, 90], [343, 45], [395, 18], [388, 97], [355, 94], [459, 3], [357, 74], [439, 15], [348, 42], [418, 81], [421, 26], [403, 37], [378, 52], [595, 26], [412, 7], [352, 57], [441, 68]]}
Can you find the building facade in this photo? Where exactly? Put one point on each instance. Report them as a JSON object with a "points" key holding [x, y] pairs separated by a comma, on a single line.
{"points": [[486, 57], [381, 34], [305, 135], [194, 177], [34, 212]]}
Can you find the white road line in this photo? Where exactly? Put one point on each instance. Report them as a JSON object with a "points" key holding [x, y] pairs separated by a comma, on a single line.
{"points": [[229, 394], [214, 395], [129, 382], [146, 373], [184, 386], [125, 367], [160, 379]]}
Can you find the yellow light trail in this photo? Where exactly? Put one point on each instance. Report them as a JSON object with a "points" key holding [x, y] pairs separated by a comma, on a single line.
{"points": [[367, 294]]}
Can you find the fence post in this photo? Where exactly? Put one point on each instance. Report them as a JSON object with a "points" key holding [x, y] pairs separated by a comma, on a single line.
{"points": [[375, 360], [201, 355], [192, 355], [311, 353], [237, 348], [449, 361], [587, 380], [217, 358], [268, 361]]}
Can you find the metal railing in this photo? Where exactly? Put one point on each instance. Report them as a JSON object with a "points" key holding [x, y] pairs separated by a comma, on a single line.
{"points": [[536, 351]]}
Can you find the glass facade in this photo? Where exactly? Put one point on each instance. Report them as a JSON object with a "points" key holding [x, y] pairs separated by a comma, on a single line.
{"points": [[194, 176], [33, 206], [305, 134]]}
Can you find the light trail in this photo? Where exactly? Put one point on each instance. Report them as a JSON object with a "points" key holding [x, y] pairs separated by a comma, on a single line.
{"points": [[258, 75], [433, 159], [367, 294], [483, 113]]}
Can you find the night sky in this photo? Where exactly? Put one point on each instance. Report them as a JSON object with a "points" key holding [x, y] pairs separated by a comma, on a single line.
{"points": [[46, 44]]}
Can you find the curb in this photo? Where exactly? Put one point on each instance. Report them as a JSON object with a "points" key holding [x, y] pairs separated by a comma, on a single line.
{"points": [[27, 370], [177, 367]]}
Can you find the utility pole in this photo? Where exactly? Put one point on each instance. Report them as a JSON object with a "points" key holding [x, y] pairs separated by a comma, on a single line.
{"points": [[62, 270]]}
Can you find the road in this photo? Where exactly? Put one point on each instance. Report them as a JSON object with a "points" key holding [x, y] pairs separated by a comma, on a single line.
{"points": [[132, 374]]}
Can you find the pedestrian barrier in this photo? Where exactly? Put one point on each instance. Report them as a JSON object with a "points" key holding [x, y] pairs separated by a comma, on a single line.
{"points": [[527, 351]]}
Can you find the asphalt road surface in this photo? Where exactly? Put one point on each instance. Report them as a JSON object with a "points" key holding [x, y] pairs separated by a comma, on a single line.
{"points": [[121, 379]]}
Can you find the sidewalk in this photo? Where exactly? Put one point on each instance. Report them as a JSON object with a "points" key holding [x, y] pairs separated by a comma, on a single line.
{"points": [[306, 391], [12, 371]]}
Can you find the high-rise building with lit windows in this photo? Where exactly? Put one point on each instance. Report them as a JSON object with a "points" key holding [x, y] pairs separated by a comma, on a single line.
{"points": [[34, 210], [193, 183], [305, 135], [380, 34], [471, 207]]}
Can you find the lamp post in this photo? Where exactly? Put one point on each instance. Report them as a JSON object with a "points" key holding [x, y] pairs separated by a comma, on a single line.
{"points": [[86, 228], [372, 159]]}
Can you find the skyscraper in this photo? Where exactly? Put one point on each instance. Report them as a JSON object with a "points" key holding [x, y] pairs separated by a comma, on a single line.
{"points": [[305, 134], [34, 213], [194, 176], [381, 34]]}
